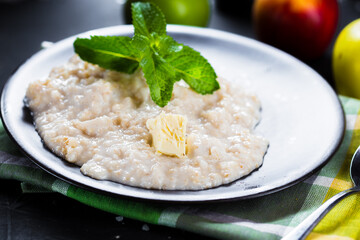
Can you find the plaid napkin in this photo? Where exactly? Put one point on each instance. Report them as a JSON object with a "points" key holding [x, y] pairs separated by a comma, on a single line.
{"points": [[268, 217]]}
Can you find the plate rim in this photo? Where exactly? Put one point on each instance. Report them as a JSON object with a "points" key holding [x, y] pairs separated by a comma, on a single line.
{"points": [[218, 34]]}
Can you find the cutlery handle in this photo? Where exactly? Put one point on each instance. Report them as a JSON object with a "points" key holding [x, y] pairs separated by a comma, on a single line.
{"points": [[304, 228]]}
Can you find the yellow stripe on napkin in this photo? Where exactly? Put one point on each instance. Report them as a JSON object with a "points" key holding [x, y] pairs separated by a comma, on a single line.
{"points": [[319, 236], [339, 185], [343, 221]]}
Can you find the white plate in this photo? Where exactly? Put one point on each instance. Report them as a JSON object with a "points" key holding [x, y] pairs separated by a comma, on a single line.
{"points": [[301, 114]]}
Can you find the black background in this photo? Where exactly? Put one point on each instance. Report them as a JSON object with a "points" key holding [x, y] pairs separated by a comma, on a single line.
{"points": [[23, 26]]}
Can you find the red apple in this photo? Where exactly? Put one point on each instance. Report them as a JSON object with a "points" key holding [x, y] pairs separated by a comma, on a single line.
{"points": [[303, 28]]}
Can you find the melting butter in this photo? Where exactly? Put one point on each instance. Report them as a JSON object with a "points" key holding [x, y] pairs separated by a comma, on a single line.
{"points": [[168, 133]]}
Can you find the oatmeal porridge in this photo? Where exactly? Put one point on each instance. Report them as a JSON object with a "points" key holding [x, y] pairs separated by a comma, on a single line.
{"points": [[105, 122]]}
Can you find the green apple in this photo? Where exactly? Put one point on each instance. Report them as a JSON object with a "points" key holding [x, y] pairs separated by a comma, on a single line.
{"points": [[346, 60], [184, 12]]}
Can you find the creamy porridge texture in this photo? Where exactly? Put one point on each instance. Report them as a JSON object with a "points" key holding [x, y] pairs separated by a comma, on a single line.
{"points": [[97, 118]]}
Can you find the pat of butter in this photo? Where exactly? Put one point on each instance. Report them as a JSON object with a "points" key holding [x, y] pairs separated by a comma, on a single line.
{"points": [[168, 133]]}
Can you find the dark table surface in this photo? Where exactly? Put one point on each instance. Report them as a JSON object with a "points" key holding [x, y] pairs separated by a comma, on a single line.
{"points": [[23, 26]]}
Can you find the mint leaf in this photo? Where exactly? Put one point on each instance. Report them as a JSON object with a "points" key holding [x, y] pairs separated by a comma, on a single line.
{"points": [[194, 69], [166, 45], [110, 52], [189, 65], [159, 75], [148, 19]]}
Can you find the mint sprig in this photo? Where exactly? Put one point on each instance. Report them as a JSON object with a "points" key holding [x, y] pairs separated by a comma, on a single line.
{"points": [[163, 60]]}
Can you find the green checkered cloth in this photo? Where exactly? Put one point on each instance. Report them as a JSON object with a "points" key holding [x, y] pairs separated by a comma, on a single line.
{"points": [[268, 217]]}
